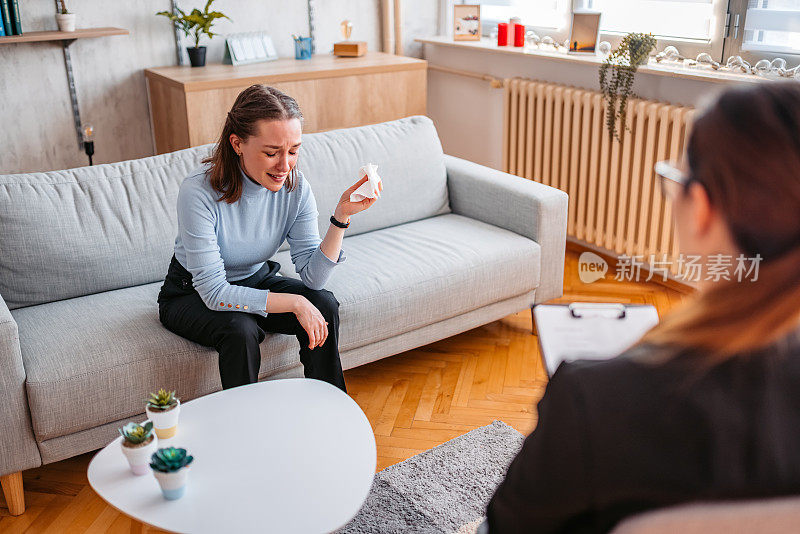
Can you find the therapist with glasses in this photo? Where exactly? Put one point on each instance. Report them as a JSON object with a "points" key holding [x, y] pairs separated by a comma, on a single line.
{"points": [[706, 406]]}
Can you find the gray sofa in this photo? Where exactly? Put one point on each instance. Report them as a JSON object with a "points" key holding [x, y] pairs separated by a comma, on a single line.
{"points": [[83, 252]]}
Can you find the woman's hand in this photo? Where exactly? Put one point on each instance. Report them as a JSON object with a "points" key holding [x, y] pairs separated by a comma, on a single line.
{"points": [[312, 322], [345, 208]]}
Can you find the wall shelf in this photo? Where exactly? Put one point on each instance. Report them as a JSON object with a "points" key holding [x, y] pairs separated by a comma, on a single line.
{"points": [[80, 33]]}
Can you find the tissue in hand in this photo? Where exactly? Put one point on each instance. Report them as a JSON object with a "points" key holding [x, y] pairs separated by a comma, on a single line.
{"points": [[368, 189]]}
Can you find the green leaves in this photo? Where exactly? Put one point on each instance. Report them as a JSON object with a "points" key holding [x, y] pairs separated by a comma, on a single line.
{"points": [[170, 459], [162, 400], [633, 50], [135, 433], [197, 22]]}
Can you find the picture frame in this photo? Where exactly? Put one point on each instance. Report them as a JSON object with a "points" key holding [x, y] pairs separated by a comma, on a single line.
{"points": [[466, 22], [584, 32]]}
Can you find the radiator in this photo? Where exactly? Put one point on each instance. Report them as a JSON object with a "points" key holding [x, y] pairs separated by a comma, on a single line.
{"points": [[556, 135]]}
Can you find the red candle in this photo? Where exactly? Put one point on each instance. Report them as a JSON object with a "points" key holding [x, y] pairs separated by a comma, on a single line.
{"points": [[502, 34], [519, 35]]}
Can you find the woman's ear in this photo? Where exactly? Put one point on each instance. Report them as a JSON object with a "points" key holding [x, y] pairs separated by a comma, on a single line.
{"points": [[236, 143]]}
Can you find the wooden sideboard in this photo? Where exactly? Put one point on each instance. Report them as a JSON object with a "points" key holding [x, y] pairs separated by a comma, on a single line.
{"points": [[188, 105]]}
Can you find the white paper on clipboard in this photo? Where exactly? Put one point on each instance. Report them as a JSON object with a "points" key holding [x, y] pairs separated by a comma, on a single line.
{"points": [[589, 331]]}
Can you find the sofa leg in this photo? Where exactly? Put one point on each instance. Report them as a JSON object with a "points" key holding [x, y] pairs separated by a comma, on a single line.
{"points": [[12, 490], [533, 323]]}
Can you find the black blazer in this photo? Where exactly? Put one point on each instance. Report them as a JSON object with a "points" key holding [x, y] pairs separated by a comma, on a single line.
{"points": [[622, 436]]}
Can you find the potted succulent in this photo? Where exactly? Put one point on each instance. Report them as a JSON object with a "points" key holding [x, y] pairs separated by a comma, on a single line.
{"points": [[138, 445], [65, 19], [171, 467], [195, 23], [163, 409], [632, 52]]}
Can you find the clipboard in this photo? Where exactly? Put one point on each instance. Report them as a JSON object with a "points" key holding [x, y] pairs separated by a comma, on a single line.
{"points": [[589, 331]]}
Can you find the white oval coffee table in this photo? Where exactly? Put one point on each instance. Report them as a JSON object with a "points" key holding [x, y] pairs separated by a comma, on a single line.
{"points": [[294, 455]]}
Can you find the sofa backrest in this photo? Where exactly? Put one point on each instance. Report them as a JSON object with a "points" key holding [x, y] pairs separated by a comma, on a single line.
{"points": [[69, 233], [410, 163], [75, 232]]}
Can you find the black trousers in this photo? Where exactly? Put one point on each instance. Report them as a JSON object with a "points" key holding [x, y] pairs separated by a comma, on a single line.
{"points": [[237, 335]]}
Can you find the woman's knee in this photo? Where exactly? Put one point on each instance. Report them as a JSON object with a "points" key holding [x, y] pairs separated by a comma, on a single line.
{"points": [[324, 301], [241, 327]]}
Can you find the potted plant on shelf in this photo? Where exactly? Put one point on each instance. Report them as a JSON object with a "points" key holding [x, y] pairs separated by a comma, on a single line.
{"points": [[196, 23], [170, 467], [138, 445], [163, 409], [633, 51], [65, 19]]}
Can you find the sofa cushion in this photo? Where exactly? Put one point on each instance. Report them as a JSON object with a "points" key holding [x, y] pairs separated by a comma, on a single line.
{"points": [[82, 231], [94, 359], [402, 278], [410, 161]]}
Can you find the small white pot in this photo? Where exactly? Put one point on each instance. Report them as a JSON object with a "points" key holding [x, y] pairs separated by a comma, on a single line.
{"points": [[66, 22], [139, 457], [165, 423], [173, 485]]}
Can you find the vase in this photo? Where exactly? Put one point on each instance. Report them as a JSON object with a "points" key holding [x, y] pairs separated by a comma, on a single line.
{"points": [[165, 422], [197, 55], [173, 484], [139, 455], [66, 22]]}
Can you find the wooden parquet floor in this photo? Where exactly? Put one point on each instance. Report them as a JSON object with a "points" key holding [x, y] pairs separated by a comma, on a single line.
{"points": [[414, 401]]}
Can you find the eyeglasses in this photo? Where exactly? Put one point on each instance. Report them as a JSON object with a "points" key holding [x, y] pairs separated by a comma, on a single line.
{"points": [[672, 180]]}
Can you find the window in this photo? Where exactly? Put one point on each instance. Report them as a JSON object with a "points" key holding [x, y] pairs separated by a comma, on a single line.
{"points": [[772, 26], [693, 26], [538, 14], [682, 19], [754, 29]]}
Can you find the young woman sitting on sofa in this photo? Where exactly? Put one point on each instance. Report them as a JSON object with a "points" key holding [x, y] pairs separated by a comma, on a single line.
{"points": [[706, 406], [234, 213]]}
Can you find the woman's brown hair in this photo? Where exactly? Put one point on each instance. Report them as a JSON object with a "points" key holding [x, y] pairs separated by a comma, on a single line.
{"points": [[257, 102], [745, 151]]}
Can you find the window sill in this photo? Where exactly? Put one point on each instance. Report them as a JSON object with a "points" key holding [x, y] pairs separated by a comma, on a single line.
{"points": [[657, 69]]}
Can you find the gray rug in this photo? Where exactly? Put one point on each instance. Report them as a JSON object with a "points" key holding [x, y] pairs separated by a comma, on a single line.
{"points": [[440, 490]]}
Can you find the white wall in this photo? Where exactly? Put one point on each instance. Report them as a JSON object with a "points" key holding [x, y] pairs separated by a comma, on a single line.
{"points": [[38, 132], [469, 114]]}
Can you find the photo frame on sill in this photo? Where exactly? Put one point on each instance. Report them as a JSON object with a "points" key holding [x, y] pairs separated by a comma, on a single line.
{"points": [[585, 32], [466, 22]]}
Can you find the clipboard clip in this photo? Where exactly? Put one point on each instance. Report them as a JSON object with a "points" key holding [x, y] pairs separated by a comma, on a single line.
{"points": [[578, 310]]}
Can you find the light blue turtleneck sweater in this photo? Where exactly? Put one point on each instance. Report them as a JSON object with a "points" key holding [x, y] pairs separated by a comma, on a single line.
{"points": [[219, 242]]}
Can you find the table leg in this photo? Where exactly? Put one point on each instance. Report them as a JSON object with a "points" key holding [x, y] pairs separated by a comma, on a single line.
{"points": [[137, 527]]}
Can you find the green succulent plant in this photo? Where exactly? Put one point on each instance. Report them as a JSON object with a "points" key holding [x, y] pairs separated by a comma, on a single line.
{"points": [[162, 401], [197, 22], [135, 433], [170, 459], [633, 50]]}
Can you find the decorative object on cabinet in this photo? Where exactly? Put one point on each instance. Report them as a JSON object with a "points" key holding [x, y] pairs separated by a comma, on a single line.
{"points": [[250, 47]]}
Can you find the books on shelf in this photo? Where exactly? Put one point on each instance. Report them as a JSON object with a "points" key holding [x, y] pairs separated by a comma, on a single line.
{"points": [[16, 21], [10, 18], [5, 13]]}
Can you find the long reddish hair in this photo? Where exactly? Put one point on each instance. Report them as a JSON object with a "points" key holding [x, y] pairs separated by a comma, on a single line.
{"points": [[745, 151], [257, 102]]}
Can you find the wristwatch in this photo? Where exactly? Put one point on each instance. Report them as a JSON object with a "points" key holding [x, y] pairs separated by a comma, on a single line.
{"points": [[337, 223]]}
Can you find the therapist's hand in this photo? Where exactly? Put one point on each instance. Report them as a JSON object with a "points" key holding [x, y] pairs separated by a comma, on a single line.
{"points": [[312, 321], [345, 208]]}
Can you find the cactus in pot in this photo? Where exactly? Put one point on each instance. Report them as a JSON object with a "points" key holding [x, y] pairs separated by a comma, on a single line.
{"points": [[170, 467], [138, 444], [163, 409]]}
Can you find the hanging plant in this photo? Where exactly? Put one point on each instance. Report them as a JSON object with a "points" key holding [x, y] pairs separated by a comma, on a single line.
{"points": [[633, 50]]}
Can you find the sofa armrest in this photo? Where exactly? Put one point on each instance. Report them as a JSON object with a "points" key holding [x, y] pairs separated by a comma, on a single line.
{"points": [[18, 449], [528, 208]]}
